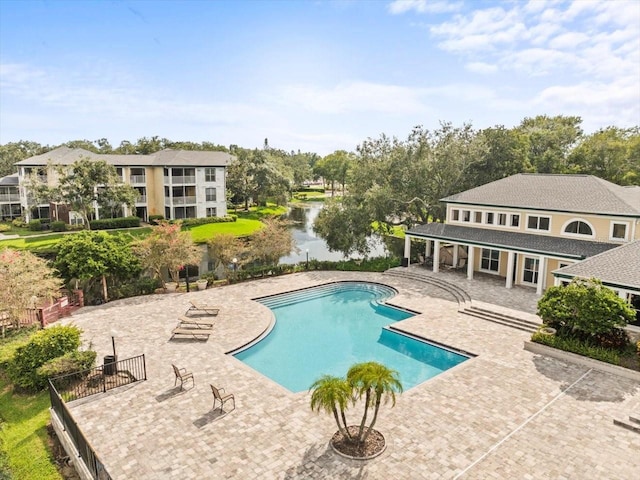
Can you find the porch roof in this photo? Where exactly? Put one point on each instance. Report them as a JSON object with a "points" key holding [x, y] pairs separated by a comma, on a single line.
{"points": [[619, 267], [518, 242]]}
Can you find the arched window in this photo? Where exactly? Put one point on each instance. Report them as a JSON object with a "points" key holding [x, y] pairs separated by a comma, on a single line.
{"points": [[578, 227]]}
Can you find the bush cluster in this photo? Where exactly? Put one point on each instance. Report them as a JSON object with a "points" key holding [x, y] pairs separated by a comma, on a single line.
{"points": [[5, 228], [579, 346], [44, 346], [58, 226], [190, 222], [154, 219], [35, 225], [72, 362], [112, 223], [18, 222], [140, 286]]}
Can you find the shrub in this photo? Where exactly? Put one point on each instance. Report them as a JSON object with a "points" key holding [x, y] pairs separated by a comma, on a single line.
{"points": [[576, 345], [111, 223], [189, 222], [18, 222], [35, 225], [72, 362], [58, 226], [45, 345], [141, 286], [5, 228], [153, 219]]}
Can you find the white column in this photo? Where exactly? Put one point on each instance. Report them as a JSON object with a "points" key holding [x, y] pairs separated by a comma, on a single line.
{"points": [[623, 295], [455, 255], [407, 249], [470, 261], [436, 256], [427, 249], [542, 274], [510, 265], [556, 281]]}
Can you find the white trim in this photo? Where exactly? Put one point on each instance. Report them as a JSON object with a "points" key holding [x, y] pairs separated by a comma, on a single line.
{"points": [[486, 270], [577, 235], [626, 231], [522, 280]]}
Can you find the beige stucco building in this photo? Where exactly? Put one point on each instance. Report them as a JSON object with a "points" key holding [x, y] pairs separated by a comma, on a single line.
{"points": [[173, 183]]}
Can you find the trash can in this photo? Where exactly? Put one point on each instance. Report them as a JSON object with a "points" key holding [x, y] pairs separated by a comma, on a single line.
{"points": [[405, 262], [110, 366]]}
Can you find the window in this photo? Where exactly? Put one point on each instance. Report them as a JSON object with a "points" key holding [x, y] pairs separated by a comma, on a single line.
{"points": [[488, 219], [210, 194], [578, 227], [137, 175], [515, 220], [538, 223], [477, 217], [466, 216], [502, 219], [212, 212], [490, 260], [530, 271], [210, 174], [455, 214], [618, 231]]}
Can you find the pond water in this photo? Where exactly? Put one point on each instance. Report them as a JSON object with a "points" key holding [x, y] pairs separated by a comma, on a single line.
{"points": [[302, 218]]}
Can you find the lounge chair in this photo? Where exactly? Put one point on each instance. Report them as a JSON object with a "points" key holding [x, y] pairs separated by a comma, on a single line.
{"points": [[195, 322], [196, 333], [203, 307], [220, 396], [183, 376]]}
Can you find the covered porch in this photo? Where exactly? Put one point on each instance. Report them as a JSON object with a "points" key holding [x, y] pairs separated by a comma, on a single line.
{"points": [[519, 258]]}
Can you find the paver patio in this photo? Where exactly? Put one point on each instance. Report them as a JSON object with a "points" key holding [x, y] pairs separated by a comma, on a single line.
{"points": [[506, 414]]}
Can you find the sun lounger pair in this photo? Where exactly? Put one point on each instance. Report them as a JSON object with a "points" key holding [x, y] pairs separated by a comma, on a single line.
{"points": [[203, 308]]}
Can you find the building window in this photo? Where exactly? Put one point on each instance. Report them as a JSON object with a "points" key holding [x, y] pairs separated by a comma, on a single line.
{"points": [[490, 260], [477, 217], [488, 219], [210, 194], [578, 227], [455, 214], [137, 175], [502, 219], [210, 174], [466, 216], [212, 212], [515, 220], [530, 270], [618, 231], [535, 222]]}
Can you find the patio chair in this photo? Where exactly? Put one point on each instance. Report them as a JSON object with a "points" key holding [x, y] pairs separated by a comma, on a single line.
{"points": [[203, 307], [195, 322], [220, 396], [183, 376], [195, 333]]}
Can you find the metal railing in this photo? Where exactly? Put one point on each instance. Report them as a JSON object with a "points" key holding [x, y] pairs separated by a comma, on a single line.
{"points": [[180, 179], [101, 379], [9, 197], [184, 200], [138, 178], [83, 384]]}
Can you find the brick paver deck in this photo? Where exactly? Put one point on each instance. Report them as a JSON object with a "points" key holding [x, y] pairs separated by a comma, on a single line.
{"points": [[506, 414]]}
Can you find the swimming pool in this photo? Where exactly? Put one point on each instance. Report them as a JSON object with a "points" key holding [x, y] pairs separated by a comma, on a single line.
{"points": [[326, 329]]}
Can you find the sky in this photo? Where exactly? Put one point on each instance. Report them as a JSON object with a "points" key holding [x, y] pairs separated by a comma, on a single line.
{"points": [[315, 76]]}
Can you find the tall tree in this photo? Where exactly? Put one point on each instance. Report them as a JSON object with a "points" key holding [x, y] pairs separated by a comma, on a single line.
{"points": [[87, 255], [24, 281], [223, 248], [271, 242], [335, 168], [13, 152], [85, 182]]}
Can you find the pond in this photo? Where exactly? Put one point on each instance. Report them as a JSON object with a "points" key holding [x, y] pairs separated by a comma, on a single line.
{"points": [[302, 218]]}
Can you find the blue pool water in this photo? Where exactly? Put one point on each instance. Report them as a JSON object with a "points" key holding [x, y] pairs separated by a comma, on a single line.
{"points": [[326, 329]]}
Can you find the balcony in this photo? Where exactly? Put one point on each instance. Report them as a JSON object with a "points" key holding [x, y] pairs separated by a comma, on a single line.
{"points": [[9, 197], [181, 180], [138, 179], [141, 199], [184, 200]]}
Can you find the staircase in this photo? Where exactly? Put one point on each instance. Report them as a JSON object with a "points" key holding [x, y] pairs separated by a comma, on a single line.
{"points": [[460, 295], [502, 319], [632, 424]]}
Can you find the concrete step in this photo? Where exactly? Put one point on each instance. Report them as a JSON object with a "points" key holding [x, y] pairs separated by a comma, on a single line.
{"points": [[502, 321], [490, 314], [629, 425], [461, 296], [634, 419]]}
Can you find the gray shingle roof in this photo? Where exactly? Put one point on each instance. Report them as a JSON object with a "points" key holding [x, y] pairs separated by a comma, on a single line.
{"points": [[521, 242], [619, 266], [169, 158], [9, 180], [565, 193]]}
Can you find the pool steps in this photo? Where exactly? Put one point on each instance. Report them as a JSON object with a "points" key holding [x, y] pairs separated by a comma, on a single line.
{"points": [[464, 300], [632, 424]]}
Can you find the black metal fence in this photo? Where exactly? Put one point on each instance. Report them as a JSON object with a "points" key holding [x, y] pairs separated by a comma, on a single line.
{"points": [[100, 379], [82, 384]]}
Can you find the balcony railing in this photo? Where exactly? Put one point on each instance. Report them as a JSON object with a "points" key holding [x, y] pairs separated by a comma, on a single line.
{"points": [[180, 180], [138, 179], [184, 200], [141, 199], [9, 197]]}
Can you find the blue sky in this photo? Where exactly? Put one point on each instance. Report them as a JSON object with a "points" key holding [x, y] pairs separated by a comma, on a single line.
{"points": [[310, 75]]}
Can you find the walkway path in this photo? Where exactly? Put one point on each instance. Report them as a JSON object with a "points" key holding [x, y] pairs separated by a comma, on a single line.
{"points": [[506, 414]]}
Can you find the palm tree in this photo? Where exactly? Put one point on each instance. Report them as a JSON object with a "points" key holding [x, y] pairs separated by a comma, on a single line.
{"points": [[329, 394], [375, 381]]}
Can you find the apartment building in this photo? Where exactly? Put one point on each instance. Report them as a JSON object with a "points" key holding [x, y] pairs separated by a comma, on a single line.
{"points": [[177, 184]]}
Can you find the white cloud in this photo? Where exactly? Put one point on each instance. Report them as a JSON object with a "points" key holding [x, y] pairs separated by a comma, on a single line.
{"points": [[568, 40], [481, 67], [423, 6]]}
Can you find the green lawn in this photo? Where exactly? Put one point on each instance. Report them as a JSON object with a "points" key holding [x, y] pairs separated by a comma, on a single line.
{"points": [[24, 443], [240, 228]]}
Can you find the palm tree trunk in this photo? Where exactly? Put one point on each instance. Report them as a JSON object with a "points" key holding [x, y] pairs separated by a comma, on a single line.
{"points": [[344, 422], [375, 417], [364, 416], [343, 431]]}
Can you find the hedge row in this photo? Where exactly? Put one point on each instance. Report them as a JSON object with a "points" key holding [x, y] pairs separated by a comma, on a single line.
{"points": [[112, 223], [190, 222]]}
